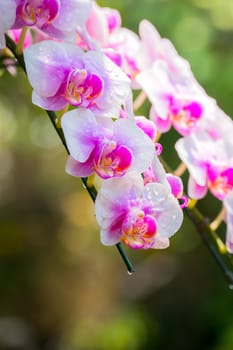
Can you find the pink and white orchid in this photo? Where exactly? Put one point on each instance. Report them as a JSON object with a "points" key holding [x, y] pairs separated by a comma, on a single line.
{"points": [[178, 102], [58, 18], [210, 163], [104, 147], [62, 74], [104, 31], [154, 48], [101, 22], [137, 215]]}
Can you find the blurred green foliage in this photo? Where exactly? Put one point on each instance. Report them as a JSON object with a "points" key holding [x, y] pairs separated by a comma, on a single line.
{"points": [[60, 288]]}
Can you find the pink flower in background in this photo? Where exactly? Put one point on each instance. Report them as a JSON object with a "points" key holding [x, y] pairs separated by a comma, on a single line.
{"points": [[15, 35], [101, 22], [58, 18], [177, 189], [61, 74], [104, 31], [7, 18], [228, 204], [147, 126], [217, 124], [180, 103], [126, 44], [104, 147], [154, 48], [210, 163]]}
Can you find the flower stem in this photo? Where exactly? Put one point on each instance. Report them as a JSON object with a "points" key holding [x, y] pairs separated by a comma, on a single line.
{"points": [[19, 47], [60, 115], [53, 118], [218, 220], [202, 228], [140, 99], [125, 258], [179, 171]]}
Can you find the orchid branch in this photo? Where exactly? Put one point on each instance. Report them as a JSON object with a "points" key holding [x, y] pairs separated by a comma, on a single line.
{"points": [[203, 227], [53, 118]]}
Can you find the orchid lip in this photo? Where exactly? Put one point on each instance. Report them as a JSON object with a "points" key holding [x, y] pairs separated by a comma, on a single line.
{"points": [[38, 12], [139, 229], [113, 160], [185, 115], [222, 184], [83, 88]]}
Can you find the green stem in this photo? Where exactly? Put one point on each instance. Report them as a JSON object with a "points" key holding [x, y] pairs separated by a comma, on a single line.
{"points": [[202, 227], [125, 258], [19, 47], [53, 117]]}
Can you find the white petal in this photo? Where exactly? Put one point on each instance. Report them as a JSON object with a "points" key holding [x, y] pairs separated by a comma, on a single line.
{"points": [[138, 142], [196, 191], [161, 243], [171, 218], [79, 126]]}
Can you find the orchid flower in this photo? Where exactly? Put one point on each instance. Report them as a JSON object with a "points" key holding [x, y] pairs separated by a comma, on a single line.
{"points": [[210, 163], [154, 48], [176, 102], [137, 215], [58, 18], [101, 22], [104, 31], [62, 74], [104, 147]]}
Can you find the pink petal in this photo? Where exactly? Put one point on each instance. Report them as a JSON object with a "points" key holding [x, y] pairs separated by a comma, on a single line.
{"points": [[196, 191], [48, 63], [176, 185], [75, 168], [46, 66], [139, 143], [54, 103]]}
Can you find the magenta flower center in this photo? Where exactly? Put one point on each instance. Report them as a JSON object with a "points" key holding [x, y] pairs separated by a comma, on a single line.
{"points": [[83, 88], [38, 12], [112, 160], [220, 184], [185, 115], [131, 67], [139, 229]]}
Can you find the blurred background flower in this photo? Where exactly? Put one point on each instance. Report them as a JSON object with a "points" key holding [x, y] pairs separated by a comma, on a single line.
{"points": [[60, 288]]}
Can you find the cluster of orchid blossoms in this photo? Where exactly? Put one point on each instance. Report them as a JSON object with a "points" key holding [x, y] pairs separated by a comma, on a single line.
{"points": [[84, 65]]}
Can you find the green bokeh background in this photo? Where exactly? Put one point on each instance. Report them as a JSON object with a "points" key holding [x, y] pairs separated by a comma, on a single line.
{"points": [[60, 288]]}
